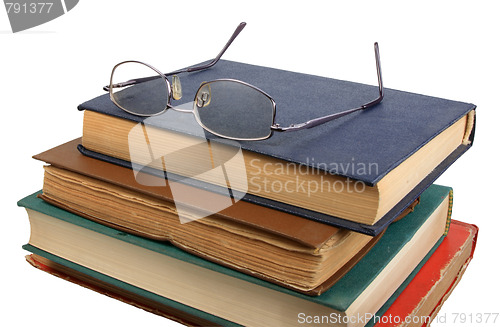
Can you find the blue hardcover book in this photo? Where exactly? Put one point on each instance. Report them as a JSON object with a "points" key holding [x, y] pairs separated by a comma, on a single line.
{"points": [[357, 172]]}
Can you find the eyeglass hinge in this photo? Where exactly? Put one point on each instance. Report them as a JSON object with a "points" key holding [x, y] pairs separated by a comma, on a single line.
{"points": [[292, 127], [277, 128], [118, 85]]}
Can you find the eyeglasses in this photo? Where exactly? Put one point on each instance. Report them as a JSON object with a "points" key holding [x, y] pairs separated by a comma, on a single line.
{"points": [[252, 110]]}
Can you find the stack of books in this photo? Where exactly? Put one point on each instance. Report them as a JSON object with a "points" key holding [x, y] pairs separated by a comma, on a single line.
{"points": [[337, 225]]}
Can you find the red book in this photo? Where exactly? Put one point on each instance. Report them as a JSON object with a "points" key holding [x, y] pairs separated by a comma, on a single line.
{"points": [[422, 298]]}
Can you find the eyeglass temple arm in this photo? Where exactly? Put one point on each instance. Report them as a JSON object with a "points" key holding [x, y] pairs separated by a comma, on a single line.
{"points": [[321, 120], [236, 32]]}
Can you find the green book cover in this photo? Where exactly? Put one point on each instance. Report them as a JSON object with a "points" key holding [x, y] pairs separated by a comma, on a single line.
{"points": [[193, 311], [339, 297]]}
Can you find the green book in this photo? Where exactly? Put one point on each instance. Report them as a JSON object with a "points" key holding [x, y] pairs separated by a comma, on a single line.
{"points": [[165, 273]]}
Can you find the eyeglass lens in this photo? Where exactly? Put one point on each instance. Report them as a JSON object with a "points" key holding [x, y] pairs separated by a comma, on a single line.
{"points": [[233, 109], [145, 99]]}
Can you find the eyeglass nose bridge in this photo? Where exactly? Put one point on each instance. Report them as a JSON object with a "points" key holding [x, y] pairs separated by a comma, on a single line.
{"points": [[175, 93]]}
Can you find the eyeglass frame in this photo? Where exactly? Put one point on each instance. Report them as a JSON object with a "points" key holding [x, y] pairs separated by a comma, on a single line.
{"points": [[275, 127]]}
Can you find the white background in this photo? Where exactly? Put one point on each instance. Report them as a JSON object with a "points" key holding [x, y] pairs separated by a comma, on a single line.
{"points": [[448, 49]]}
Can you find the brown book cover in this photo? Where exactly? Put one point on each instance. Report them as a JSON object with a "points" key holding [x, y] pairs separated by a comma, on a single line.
{"points": [[302, 230], [309, 234]]}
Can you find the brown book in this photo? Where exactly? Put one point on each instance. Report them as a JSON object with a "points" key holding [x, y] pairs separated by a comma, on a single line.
{"points": [[291, 251]]}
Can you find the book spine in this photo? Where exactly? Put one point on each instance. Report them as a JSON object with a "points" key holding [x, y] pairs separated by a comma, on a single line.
{"points": [[450, 209]]}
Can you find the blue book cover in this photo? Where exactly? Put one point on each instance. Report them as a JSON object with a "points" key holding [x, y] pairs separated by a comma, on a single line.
{"points": [[384, 135]]}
